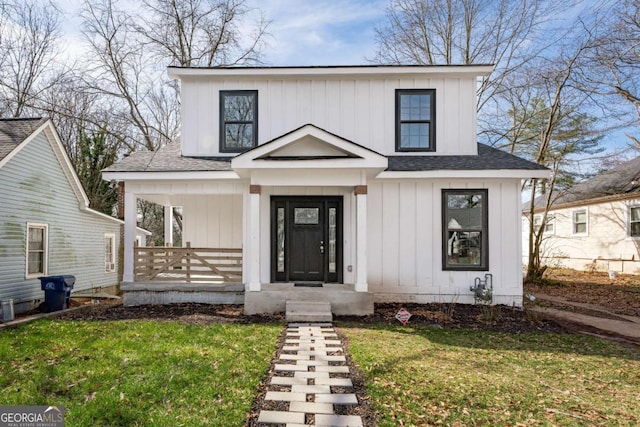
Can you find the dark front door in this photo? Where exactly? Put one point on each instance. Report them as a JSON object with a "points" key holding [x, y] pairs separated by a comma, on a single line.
{"points": [[306, 259], [306, 239]]}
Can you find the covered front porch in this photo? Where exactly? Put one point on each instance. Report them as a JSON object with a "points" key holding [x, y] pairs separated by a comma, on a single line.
{"points": [[291, 211]]}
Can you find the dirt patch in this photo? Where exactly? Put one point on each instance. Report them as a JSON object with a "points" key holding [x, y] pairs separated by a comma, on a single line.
{"points": [[620, 295]]}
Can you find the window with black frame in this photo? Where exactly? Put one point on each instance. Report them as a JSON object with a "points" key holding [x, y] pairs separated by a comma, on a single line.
{"points": [[465, 224], [415, 119], [238, 120]]}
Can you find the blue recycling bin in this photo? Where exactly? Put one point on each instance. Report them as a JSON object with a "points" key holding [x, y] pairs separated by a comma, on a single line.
{"points": [[57, 291]]}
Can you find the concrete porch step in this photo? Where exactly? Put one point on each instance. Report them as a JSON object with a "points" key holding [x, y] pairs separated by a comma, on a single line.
{"points": [[308, 311]]}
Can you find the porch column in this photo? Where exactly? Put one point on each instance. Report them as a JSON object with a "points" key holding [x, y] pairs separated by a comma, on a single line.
{"points": [[168, 225], [254, 238], [361, 284], [129, 234]]}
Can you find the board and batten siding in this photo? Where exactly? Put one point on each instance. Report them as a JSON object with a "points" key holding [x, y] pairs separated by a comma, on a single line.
{"points": [[34, 189], [213, 221], [405, 242], [361, 110]]}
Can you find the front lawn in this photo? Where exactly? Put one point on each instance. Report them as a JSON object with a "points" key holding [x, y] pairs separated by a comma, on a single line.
{"points": [[427, 376], [137, 373]]}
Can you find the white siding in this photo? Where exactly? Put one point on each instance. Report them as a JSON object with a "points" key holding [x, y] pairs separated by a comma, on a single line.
{"points": [[359, 109], [405, 242], [213, 221], [607, 241], [33, 188]]}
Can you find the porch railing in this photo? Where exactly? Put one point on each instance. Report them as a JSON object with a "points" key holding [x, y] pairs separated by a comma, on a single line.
{"points": [[168, 264]]}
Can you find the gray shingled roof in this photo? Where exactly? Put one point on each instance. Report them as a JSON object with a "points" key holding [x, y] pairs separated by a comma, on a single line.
{"points": [[621, 180], [14, 131], [488, 158], [168, 159]]}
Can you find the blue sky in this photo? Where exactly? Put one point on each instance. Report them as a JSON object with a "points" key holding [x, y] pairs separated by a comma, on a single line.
{"points": [[302, 32], [321, 32]]}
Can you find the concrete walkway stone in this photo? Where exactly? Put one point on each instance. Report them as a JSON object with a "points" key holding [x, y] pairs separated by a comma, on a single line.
{"points": [[312, 353]]}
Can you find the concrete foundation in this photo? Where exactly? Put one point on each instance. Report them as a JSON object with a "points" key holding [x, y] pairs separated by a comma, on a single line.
{"points": [[173, 293], [344, 300]]}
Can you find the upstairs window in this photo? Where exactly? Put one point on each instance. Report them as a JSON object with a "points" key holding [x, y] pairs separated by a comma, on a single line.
{"points": [[634, 221], [580, 222], [415, 119], [37, 248], [465, 230], [238, 120]]}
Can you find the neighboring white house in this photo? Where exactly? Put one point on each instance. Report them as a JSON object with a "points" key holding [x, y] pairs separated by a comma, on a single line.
{"points": [[594, 224], [366, 179], [46, 225]]}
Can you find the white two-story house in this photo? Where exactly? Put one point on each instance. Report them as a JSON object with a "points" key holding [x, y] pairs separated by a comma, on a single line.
{"points": [[365, 181]]}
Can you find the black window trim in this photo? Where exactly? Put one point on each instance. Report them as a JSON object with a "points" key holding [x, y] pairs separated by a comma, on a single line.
{"points": [[484, 255], [432, 121], [225, 93]]}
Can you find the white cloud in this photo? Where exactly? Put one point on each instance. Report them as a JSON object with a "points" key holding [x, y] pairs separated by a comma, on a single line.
{"points": [[323, 32]]}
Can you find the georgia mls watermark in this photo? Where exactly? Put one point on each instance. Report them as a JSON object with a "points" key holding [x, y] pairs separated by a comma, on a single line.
{"points": [[31, 416]]}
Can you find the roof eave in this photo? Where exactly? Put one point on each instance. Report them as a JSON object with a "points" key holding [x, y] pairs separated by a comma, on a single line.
{"points": [[167, 175], [468, 173], [335, 71]]}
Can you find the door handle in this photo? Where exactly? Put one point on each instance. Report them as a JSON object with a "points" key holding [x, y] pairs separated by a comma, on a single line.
{"points": [[321, 246]]}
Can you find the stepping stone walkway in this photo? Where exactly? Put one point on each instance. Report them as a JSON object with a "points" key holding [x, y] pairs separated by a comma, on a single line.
{"points": [[313, 353]]}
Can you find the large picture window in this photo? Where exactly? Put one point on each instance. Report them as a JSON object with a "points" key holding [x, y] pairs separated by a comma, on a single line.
{"points": [[37, 248], [415, 119], [465, 235], [238, 120]]}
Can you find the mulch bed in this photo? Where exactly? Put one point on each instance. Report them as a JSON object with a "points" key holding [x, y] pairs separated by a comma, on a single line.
{"points": [[452, 316]]}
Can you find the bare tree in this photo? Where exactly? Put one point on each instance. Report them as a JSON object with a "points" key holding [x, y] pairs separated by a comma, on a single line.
{"points": [[566, 132], [130, 52], [200, 32], [120, 73], [431, 32], [29, 39], [617, 60]]}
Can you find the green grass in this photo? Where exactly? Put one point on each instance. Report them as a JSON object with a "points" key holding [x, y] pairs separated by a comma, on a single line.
{"points": [[137, 373], [424, 376]]}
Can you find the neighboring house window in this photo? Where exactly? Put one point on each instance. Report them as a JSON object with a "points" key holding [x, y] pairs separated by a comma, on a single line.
{"points": [[415, 119], [580, 221], [465, 230], [634, 221], [549, 227], [109, 252], [238, 120], [37, 249]]}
